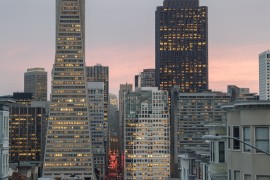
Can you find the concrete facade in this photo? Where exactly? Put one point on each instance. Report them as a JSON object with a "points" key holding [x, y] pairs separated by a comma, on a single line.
{"points": [[192, 112], [264, 75], [146, 135], [98, 130], [145, 79], [35, 81], [4, 140], [250, 122]]}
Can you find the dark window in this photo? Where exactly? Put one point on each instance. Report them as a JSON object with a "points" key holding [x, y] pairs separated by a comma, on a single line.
{"points": [[236, 134], [229, 134], [221, 148]]}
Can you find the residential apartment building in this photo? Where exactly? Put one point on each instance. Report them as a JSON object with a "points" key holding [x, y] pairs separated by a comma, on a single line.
{"points": [[193, 112], [146, 134], [4, 138], [249, 122]]}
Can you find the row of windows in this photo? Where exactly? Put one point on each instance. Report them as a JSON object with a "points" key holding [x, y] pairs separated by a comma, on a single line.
{"points": [[260, 134], [235, 175]]}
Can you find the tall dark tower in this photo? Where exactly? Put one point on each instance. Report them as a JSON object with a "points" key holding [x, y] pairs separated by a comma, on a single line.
{"points": [[181, 54], [182, 46]]}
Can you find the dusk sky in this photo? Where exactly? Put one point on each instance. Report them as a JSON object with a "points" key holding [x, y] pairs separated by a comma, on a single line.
{"points": [[120, 34]]}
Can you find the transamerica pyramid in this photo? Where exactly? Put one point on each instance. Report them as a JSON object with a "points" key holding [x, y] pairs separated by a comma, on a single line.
{"points": [[68, 143]]}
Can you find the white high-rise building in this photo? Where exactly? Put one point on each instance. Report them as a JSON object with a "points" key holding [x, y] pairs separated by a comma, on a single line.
{"points": [[146, 134], [98, 130], [264, 75], [4, 139], [68, 148]]}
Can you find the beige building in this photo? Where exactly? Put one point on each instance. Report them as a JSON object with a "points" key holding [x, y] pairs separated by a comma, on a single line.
{"points": [[249, 122], [146, 135]]}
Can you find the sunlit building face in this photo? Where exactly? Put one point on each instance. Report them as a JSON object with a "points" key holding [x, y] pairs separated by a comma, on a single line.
{"points": [[182, 46]]}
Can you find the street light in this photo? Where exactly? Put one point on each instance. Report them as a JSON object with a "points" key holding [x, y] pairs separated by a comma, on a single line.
{"points": [[217, 137]]}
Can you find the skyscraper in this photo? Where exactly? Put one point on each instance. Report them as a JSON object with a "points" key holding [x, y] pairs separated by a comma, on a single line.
{"points": [[26, 133], [264, 75], [99, 73], [35, 81], [147, 134], [145, 79], [182, 46], [68, 145], [96, 115], [192, 112], [124, 88]]}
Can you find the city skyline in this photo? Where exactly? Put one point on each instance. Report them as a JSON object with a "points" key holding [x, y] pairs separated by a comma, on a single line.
{"points": [[126, 45]]}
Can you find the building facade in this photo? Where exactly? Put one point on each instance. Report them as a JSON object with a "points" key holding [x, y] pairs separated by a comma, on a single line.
{"points": [[26, 133], [264, 75], [192, 113], [4, 138], [35, 81], [241, 94], [98, 131], [182, 46], [146, 135], [68, 148], [99, 73], [113, 114], [145, 78], [249, 122], [124, 88]]}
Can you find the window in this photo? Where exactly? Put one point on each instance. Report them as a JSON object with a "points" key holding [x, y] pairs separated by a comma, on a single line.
{"points": [[236, 175], [229, 175], [263, 177], [236, 134], [221, 147], [212, 152], [246, 138], [229, 134], [262, 138], [247, 177]]}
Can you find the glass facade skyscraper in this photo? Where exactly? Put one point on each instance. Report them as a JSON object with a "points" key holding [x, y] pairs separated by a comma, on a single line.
{"points": [[68, 145], [182, 46]]}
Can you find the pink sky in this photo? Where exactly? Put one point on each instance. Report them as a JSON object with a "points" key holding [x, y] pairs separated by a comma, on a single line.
{"points": [[123, 39], [227, 65]]}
